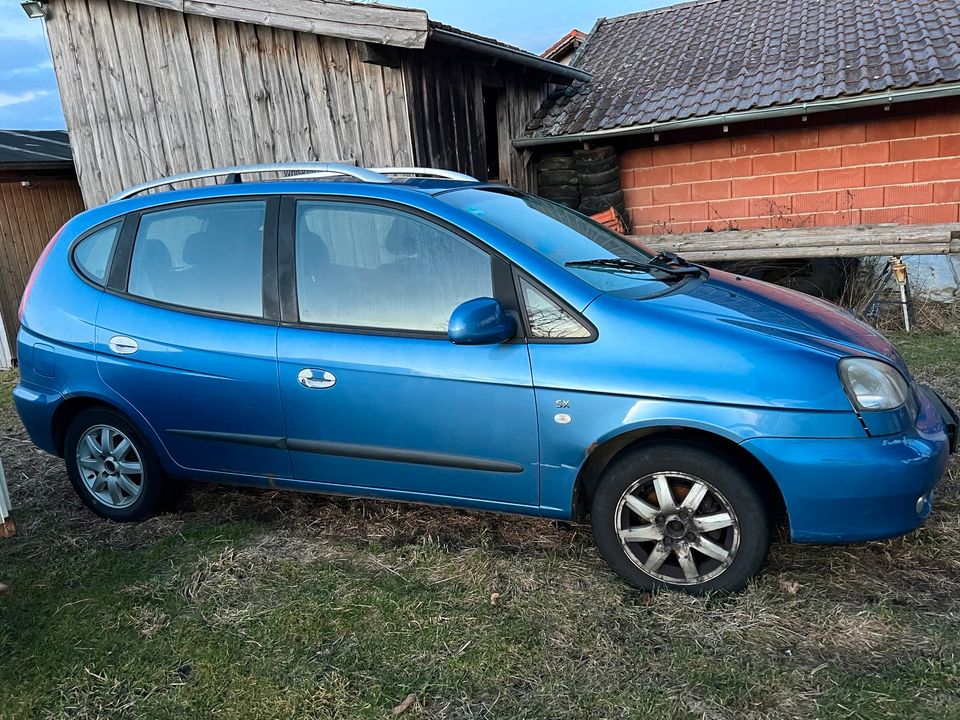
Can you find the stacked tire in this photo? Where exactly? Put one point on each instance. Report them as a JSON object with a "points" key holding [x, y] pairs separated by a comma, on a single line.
{"points": [[557, 179], [598, 172]]}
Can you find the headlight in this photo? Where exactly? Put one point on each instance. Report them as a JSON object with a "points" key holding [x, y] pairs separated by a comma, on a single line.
{"points": [[873, 385]]}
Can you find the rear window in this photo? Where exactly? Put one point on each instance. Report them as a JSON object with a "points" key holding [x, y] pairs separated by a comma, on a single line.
{"points": [[207, 257], [92, 254]]}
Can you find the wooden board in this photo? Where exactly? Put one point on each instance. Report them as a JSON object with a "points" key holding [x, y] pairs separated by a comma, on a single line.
{"points": [[382, 24], [849, 241], [148, 92]]}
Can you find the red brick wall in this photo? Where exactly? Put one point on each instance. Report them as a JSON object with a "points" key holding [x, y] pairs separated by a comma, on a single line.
{"points": [[867, 168]]}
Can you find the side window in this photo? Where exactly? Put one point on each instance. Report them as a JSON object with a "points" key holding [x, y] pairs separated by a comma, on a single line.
{"points": [[547, 319], [372, 267], [207, 256], [93, 253]]}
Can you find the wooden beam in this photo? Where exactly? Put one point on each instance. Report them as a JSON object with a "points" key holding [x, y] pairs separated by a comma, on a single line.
{"points": [[848, 241], [381, 24]]}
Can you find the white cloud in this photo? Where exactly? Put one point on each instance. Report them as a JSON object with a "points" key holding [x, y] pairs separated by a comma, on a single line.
{"points": [[41, 68], [7, 99]]}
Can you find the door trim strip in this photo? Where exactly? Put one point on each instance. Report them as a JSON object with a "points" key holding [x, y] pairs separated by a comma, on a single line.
{"points": [[362, 452]]}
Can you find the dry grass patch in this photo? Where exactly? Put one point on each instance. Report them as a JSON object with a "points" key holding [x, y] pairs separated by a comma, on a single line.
{"points": [[264, 604]]}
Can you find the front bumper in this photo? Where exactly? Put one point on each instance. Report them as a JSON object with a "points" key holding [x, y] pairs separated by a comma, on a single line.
{"points": [[853, 489]]}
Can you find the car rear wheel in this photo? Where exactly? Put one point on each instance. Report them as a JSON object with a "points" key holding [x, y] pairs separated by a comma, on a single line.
{"points": [[112, 467], [678, 516]]}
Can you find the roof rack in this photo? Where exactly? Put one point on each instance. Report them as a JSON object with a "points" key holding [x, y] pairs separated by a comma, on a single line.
{"points": [[425, 172], [234, 172]]}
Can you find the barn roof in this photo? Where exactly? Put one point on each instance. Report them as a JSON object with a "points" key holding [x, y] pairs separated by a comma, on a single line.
{"points": [[371, 22], [34, 149], [709, 58]]}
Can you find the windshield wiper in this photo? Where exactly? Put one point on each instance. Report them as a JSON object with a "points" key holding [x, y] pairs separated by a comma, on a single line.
{"points": [[668, 258], [634, 266]]}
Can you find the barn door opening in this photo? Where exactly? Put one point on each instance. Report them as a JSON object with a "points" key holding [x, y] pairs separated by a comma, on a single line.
{"points": [[491, 130]]}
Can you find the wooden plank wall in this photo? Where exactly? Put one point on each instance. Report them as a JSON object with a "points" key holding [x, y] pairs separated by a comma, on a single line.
{"points": [[519, 102], [149, 92], [446, 114], [29, 217]]}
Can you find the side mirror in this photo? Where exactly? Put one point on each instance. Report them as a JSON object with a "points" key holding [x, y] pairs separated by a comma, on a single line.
{"points": [[481, 321]]}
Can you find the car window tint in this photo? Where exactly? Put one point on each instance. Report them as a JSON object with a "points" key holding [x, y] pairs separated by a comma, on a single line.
{"points": [[207, 256], [93, 253], [373, 267], [547, 319]]}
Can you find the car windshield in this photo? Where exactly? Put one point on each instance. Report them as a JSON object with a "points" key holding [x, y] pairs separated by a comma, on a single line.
{"points": [[586, 248]]}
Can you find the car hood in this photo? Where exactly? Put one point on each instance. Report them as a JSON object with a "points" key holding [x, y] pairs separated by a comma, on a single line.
{"points": [[787, 314]]}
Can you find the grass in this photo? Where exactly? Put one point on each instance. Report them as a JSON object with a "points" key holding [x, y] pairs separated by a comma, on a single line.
{"points": [[278, 605], [7, 380]]}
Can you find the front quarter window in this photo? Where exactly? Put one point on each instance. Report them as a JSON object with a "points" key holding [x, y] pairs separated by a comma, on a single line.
{"points": [[547, 319]]}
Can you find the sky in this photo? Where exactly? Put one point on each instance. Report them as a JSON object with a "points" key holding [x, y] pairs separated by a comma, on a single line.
{"points": [[28, 89]]}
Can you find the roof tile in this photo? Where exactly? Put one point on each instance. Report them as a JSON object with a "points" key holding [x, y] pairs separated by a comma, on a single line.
{"points": [[719, 56]]}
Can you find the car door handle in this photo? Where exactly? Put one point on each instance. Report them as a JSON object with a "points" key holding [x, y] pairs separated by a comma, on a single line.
{"points": [[122, 345], [316, 379]]}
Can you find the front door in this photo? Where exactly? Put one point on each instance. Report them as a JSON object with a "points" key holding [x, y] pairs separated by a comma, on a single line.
{"points": [[376, 398], [187, 338]]}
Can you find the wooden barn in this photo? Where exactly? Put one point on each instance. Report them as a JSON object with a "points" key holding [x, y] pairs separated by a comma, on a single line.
{"points": [[38, 194], [157, 87]]}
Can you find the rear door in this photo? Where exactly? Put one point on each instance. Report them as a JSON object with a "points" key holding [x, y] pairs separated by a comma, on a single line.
{"points": [[376, 398], [187, 333]]}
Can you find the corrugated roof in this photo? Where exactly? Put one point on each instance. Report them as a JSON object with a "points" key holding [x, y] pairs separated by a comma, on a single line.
{"points": [[34, 148], [720, 56]]}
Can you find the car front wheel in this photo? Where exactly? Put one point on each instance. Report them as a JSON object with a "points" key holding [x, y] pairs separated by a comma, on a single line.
{"points": [[679, 516], [112, 467]]}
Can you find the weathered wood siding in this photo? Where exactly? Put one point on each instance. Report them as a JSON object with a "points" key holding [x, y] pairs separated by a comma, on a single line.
{"points": [[445, 96], [28, 219], [386, 25], [149, 92], [520, 100]]}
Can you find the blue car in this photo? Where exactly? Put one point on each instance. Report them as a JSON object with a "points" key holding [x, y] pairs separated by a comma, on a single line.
{"points": [[417, 335]]}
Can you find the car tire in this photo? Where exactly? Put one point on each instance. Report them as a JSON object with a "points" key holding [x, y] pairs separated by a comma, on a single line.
{"points": [[557, 177], [598, 179], [590, 167], [113, 468], [600, 190], [556, 162], [601, 153], [711, 534]]}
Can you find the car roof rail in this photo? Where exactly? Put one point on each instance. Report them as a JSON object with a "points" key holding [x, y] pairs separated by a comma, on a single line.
{"points": [[425, 172], [302, 170]]}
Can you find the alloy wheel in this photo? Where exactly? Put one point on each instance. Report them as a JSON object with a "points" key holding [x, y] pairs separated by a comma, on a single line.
{"points": [[110, 466], [677, 528]]}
